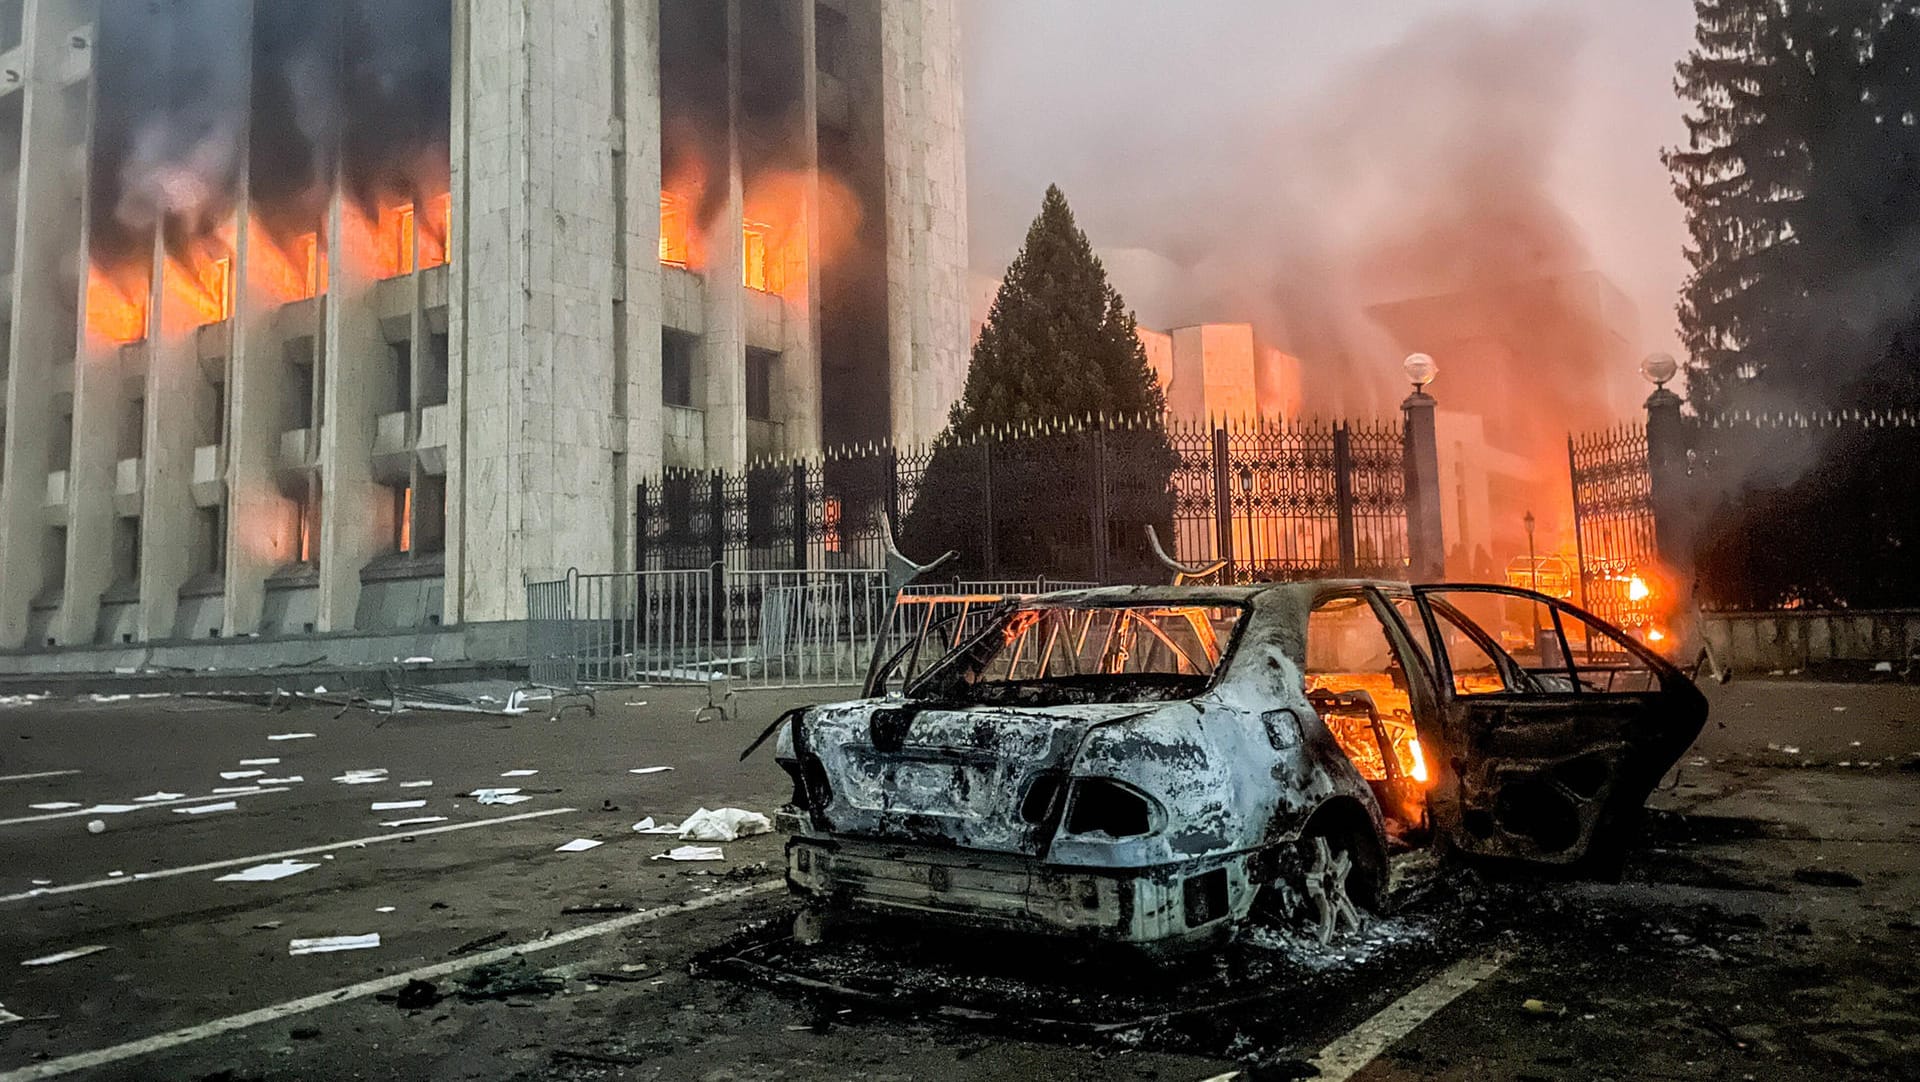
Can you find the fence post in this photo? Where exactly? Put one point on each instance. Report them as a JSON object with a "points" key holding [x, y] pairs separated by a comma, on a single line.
{"points": [[1426, 538], [799, 501], [1343, 499], [1097, 503], [1223, 503], [1667, 476], [640, 520], [986, 506]]}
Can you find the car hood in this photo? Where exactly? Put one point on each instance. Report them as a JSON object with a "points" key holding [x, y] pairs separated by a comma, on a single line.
{"points": [[975, 777]]}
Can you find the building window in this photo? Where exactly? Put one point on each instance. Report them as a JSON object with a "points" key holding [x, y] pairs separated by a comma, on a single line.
{"points": [[830, 41], [403, 519], [430, 517], [212, 405], [760, 365], [401, 354], [433, 381], [210, 540], [676, 367], [55, 557], [402, 238], [126, 550], [755, 269], [676, 230], [307, 530], [301, 403]]}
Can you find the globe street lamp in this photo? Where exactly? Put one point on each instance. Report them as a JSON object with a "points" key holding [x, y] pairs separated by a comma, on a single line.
{"points": [[1420, 370]]}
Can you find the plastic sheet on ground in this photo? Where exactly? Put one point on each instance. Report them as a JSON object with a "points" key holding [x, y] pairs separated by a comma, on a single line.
{"points": [[237, 775], [332, 943], [397, 805], [647, 826], [723, 825], [267, 873], [259, 762], [113, 809], [54, 805], [370, 776], [692, 852], [207, 809], [520, 773], [63, 956], [650, 770], [291, 736], [422, 821], [500, 796], [162, 795], [7, 1015], [579, 845]]}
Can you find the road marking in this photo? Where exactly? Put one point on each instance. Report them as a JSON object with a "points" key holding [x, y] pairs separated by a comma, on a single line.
{"points": [[1345, 1057], [267, 858], [143, 807], [87, 1061], [42, 774]]}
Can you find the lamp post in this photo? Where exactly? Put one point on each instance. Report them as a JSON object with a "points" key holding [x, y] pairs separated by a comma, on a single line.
{"points": [[1426, 542], [1533, 570]]}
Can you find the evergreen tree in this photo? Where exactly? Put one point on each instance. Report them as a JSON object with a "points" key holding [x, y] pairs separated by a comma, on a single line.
{"points": [[1060, 427]]}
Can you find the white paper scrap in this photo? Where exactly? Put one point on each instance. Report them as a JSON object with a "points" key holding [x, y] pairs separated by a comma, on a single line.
{"points": [[259, 762], [520, 773], [7, 1015], [723, 825], [504, 798], [291, 736], [579, 845], [63, 956], [232, 790], [422, 821], [646, 826], [282, 781], [384, 909], [267, 873], [415, 784], [204, 809], [236, 775], [162, 795], [57, 805], [43, 882], [692, 852], [363, 777], [397, 805], [329, 944], [114, 809], [651, 770]]}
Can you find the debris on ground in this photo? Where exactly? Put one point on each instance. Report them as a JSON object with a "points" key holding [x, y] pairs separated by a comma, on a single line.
{"points": [[415, 784], [370, 776], [268, 925], [596, 907], [417, 995], [397, 805], [513, 977], [291, 736], [151, 798], [304, 1033], [498, 796], [1825, 877], [207, 809], [96, 826], [519, 773], [647, 826], [650, 770], [692, 852], [723, 825], [478, 944], [421, 821], [333, 943], [267, 873], [597, 1057], [7, 1015], [1542, 1007], [63, 956], [579, 845], [55, 805]]}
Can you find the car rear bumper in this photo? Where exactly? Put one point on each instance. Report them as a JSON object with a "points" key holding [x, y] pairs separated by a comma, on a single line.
{"points": [[1145, 906]]}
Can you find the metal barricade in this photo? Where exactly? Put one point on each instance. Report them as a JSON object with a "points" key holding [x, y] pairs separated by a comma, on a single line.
{"points": [[550, 635], [793, 629]]}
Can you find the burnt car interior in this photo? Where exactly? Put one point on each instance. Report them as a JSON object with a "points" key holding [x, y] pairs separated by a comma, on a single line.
{"points": [[1061, 655], [1357, 683]]}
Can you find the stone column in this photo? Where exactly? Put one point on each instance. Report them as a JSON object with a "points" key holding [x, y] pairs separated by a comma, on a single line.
{"points": [[1426, 540]]}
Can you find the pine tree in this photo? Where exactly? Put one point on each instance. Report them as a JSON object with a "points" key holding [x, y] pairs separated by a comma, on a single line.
{"points": [[1059, 348], [1059, 341]]}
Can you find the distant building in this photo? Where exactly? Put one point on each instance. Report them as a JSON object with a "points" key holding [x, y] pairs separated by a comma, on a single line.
{"points": [[1222, 370]]}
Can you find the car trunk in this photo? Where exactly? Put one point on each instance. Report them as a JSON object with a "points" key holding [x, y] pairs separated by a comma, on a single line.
{"points": [[987, 778]]}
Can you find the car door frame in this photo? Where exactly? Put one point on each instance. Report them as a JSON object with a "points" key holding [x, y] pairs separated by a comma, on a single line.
{"points": [[1542, 775]]}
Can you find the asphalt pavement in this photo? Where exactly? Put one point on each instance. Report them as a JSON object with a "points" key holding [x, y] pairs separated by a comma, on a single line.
{"points": [[1725, 954]]}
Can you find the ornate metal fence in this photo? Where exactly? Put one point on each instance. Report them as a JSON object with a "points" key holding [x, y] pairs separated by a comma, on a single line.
{"points": [[1613, 522], [1072, 498]]}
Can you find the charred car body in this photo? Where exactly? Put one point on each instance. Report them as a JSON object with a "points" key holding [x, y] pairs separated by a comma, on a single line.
{"points": [[1157, 765]]}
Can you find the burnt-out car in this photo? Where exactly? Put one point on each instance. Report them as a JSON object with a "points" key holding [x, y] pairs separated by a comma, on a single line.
{"points": [[1156, 766]]}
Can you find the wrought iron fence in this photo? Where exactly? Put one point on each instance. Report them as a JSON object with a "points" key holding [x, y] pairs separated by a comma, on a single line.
{"points": [[1276, 500], [1613, 521]]}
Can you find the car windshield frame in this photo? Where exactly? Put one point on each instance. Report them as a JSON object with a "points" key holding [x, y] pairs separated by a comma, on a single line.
{"points": [[935, 684]]}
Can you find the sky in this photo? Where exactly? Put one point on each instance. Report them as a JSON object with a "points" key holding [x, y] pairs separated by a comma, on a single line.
{"points": [[1264, 147]]}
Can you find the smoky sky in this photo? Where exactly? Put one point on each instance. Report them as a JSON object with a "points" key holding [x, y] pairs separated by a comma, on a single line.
{"points": [[194, 94], [1293, 164]]}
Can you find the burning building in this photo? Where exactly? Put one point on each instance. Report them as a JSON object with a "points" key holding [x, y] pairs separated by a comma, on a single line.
{"points": [[356, 316]]}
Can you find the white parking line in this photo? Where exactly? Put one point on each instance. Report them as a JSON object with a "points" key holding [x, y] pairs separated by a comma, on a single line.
{"points": [[86, 1061], [264, 858], [1345, 1057], [143, 807], [42, 774]]}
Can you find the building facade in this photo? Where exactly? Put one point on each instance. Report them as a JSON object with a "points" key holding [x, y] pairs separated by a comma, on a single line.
{"points": [[355, 317]]}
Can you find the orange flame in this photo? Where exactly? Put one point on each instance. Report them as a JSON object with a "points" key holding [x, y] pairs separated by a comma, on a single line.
{"points": [[435, 219], [676, 230], [199, 285], [780, 223], [287, 274], [378, 249], [116, 305]]}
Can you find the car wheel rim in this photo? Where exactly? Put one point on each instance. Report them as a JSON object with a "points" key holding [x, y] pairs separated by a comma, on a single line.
{"points": [[1330, 908]]}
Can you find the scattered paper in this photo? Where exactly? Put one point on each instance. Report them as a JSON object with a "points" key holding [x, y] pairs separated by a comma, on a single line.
{"points": [[646, 826], [43, 882], [415, 784], [651, 770], [163, 795], [282, 781], [99, 698], [397, 805], [236, 775], [692, 852], [1883, 666], [259, 762], [57, 805], [7, 1015], [115, 875], [63, 956], [422, 821], [418, 661], [291, 736], [723, 825], [373, 776], [579, 845], [384, 909], [114, 809], [232, 790], [329, 944], [520, 773], [504, 798], [267, 873], [204, 809]]}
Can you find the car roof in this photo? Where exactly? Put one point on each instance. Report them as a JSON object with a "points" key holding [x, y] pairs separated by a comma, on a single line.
{"points": [[1198, 594]]}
